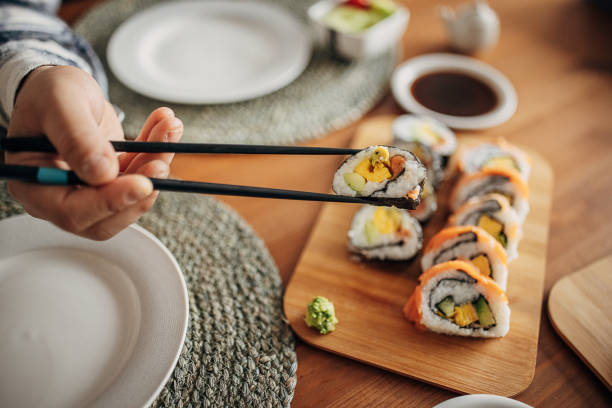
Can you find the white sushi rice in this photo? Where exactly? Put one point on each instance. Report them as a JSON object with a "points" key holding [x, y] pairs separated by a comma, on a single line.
{"points": [[470, 214], [414, 173], [474, 158], [463, 289], [409, 128], [385, 246], [492, 184], [465, 247]]}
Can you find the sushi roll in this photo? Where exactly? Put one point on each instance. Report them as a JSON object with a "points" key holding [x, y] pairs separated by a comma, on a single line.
{"points": [[493, 213], [385, 233], [431, 159], [453, 298], [497, 155], [395, 176], [429, 131], [505, 182], [428, 205], [470, 244]]}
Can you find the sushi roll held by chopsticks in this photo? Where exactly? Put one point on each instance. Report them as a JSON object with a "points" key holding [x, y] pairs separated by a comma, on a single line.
{"points": [[392, 175]]}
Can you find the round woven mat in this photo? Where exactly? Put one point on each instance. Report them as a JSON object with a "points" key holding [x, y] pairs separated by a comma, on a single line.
{"points": [[327, 96], [238, 351]]}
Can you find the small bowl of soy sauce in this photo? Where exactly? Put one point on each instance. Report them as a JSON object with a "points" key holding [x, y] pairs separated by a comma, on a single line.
{"points": [[459, 91]]}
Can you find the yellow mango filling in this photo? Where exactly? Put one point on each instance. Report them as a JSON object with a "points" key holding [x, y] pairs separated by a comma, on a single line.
{"points": [[501, 162], [490, 225], [387, 220], [482, 263], [374, 173], [465, 315], [380, 154]]}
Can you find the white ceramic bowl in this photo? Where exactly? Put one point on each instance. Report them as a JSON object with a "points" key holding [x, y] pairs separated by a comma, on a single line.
{"points": [[409, 71], [375, 40], [481, 401]]}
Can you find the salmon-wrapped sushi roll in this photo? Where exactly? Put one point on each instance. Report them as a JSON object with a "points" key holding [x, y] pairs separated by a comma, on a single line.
{"points": [[493, 213], [505, 182], [471, 244], [395, 176], [385, 233], [493, 155], [453, 298]]}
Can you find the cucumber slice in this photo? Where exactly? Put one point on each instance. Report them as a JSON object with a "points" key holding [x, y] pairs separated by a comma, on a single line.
{"points": [[446, 306], [485, 316]]}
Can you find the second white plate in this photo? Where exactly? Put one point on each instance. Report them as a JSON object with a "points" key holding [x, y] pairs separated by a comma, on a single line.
{"points": [[209, 52], [84, 323]]}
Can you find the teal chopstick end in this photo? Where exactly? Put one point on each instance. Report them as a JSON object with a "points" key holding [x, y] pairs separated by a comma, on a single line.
{"points": [[47, 175]]}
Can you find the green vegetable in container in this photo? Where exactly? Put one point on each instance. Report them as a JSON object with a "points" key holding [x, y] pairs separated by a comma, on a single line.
{"points": [[321, 315]]}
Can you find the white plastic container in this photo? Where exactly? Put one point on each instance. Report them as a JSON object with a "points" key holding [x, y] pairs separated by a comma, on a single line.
{"points": [[370, 42]]}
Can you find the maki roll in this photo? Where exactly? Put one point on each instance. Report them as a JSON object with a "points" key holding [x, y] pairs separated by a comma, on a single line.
{"points": [[505, 182], [429, 131], [470, 244], [493, 213], [453, 298], [395, 176], [385, 233], [498, 155], [428, 205], [431, 159]]}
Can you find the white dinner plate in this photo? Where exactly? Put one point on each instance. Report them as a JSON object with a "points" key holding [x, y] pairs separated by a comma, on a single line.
{"points": [[409, 71], [481, 401], [84, 323], [209, 51]]}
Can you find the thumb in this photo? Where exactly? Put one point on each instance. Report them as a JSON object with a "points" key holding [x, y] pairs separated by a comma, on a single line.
{"points": [[73, 128]]}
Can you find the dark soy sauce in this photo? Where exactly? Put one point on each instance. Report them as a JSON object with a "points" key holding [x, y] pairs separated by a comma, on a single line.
{"points": [[454, 93]]}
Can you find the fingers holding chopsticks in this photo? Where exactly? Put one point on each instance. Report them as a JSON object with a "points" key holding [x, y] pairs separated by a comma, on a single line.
{"points": [[113, 224], [160, 126]]}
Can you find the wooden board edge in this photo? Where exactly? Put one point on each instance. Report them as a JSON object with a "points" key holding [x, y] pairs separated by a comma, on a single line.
{"points": [[551, 311], [301, 329]]}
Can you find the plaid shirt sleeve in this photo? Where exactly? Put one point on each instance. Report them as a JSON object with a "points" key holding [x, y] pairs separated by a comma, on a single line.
{"points": [[31, 35]]}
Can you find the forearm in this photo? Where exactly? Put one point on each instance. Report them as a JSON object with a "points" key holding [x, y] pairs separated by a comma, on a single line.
{"points": [[32, 36]]}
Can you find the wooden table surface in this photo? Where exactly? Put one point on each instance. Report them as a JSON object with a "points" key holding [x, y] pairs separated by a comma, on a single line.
{"points": [[558, 54]]}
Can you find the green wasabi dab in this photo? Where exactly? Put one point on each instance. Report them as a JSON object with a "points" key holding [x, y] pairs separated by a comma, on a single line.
{"points": [[321, 315]]}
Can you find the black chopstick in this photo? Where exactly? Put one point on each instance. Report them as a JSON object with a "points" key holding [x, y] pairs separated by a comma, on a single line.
{"points": [[42, 144], [54, 176]]}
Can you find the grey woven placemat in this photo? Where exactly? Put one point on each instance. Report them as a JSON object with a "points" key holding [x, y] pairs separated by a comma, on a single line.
{"points": [[238, 351], [327, 96]]}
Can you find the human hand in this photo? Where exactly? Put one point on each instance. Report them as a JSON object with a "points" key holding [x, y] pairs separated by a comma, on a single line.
{"points": [[67, 105]]}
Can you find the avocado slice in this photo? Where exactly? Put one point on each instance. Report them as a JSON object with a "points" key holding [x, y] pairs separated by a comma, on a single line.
{"points": [[370, 231], [446, 306], [501, 237], [485, 316], [354, 181]]}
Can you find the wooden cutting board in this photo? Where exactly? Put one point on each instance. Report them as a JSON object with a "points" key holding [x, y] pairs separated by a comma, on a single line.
{"points": [[579, 308], [369, 296]]}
